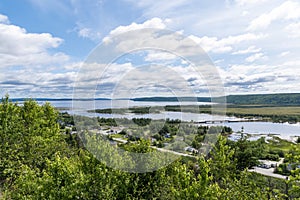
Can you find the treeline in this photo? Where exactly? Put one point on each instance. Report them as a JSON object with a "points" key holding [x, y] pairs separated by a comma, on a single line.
{"points": [[252, 99], [173, 99], [136, 110], [265, 99], [39, 161], [271, 118], [206, 109], [259, 99]]}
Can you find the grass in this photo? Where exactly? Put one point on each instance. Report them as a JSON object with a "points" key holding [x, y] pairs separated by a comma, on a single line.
{"points": [[279, 144], [265, 110], [243, 109], [237, 109]]}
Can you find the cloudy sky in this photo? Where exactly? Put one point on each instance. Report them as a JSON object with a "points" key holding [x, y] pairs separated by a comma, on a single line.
{"points": [[253, 44]]}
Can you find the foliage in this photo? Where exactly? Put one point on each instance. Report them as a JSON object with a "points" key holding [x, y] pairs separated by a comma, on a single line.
{"points": [[277, 99], [38, 161], [247, 152]]}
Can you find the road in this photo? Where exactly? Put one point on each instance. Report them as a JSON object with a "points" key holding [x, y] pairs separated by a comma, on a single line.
{"points": [[159, 149], [263, 171], [173, 152], [269, 172]]}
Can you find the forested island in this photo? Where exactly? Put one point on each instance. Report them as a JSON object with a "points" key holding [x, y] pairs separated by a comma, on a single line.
{"points": [[43, 157]]}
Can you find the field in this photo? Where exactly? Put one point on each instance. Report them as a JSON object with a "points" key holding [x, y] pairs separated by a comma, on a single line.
{"points": [[265, 110]]}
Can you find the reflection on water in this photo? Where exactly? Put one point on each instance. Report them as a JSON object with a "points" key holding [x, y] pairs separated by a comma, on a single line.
{"points": [[284, 130], [103, 104]]}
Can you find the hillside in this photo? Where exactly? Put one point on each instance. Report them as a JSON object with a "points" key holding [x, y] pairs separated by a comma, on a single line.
{"points": [[265, 99]]}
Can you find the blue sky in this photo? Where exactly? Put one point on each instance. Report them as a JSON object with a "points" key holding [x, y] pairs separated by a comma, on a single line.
{"points": [[254, 45]]}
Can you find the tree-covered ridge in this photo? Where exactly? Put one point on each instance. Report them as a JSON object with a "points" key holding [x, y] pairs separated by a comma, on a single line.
{"points": [[253, 99], [265, 99], [40, 160]]}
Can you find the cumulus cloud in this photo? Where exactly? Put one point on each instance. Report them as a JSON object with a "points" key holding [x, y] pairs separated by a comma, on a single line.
{"points": [[223, 45], [255, 57], [89, 33], [251, 49], [159, 56], [289, 10], [209, 44], [4, 19], [293, 30], [18, 47], [30, 69], [255, 78], [37, 83], [126, 80], [152, 23]]}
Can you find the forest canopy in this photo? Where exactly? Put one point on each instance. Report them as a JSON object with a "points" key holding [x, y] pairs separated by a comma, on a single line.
{"points": [[39, 159]]}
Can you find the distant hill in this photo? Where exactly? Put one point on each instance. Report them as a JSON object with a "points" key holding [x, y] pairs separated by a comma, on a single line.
{"points": [[173, 99], [274, 99], [264, 99], [50, 99], [252, 99]]}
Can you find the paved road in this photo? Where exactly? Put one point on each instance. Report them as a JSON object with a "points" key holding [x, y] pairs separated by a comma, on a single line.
{"points": [[269, 172], [159, 149], [174, 152], [263, 171], [119, 140]]}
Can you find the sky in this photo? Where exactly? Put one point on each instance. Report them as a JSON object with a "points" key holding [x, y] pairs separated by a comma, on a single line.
{"points": [[48, 48]]}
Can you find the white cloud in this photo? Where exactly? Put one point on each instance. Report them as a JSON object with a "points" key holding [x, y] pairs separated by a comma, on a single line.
{"points": [[89, 33], [251, 49], [285, 53], [255, 57], [289, 10], [21, 48], [29, 82], [211, 44], [215, 45], [159, 56], [245, 13], [249, 2], [4, 19], [292, 64], [293, 30], [254, 78], [84, 32], [156, 23]]}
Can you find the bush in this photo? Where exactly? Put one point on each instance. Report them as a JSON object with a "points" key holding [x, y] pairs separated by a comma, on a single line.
{"points": [[280, 153], [273, 157]]}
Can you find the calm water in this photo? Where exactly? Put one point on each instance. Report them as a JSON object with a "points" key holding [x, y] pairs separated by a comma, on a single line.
{"points": [[103, 104], [284, 130]]}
